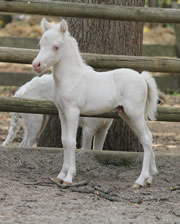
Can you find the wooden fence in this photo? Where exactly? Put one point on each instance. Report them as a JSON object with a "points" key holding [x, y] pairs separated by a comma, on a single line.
{"points": [[102, 61], [32, 43], [19, 78], [166, 83], [47, 107], [98, 11], [138, 14]]}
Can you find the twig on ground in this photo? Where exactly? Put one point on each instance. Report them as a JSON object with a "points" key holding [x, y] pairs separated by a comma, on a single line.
{"points": [[39, 184], [176, 188], [176, 213], [66, 186], [97, 193], [86, 187], [99, 188], [91, 188]]}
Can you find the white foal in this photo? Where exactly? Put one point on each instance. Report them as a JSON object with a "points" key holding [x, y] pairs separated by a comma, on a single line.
{"points": [[79, 90], [34, 124], [94, 129]]}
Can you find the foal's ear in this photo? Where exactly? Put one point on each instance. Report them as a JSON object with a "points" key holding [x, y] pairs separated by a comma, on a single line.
{"points": [[63, 26], [45, 25]]}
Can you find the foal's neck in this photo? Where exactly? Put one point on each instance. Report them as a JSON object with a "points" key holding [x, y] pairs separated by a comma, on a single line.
{"points": [[70, 61], [71, 57]]}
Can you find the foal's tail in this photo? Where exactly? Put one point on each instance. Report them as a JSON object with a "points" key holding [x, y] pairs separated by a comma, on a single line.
{"points": [[152, 97], [13, 129]]}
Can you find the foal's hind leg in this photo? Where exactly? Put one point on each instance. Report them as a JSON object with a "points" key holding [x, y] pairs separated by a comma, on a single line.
{"points": [[100, 135], [87, 136], [99, 139], [138, 125], [152, 169]]}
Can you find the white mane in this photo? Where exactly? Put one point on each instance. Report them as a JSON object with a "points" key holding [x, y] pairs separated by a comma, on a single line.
{"points": [[73, 43], [76, 51]]}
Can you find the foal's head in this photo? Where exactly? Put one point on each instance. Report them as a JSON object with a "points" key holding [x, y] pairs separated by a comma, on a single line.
{"points": [[50, 45]]}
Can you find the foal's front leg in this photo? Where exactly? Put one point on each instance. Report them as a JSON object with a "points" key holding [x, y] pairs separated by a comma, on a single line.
{"points": [[69, 124]]}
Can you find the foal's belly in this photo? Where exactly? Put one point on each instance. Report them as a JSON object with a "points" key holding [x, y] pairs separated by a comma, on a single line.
{"points": [[100, 97], [98, 106]]}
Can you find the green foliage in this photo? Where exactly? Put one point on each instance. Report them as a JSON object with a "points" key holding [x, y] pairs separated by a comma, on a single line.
{"points": [[162, 2], [7, 90], [175, 94]]}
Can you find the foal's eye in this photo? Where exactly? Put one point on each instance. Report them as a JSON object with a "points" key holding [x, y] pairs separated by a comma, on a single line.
{"points": [[56, 48]]}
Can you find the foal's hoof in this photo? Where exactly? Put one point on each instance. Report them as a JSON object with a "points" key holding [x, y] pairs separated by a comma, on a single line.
{"points": [[66, 183], [136, 186], [146, 184], [59, 181]]}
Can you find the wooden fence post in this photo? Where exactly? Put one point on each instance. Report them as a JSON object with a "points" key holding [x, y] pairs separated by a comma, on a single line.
{"points": [[177, 33]]}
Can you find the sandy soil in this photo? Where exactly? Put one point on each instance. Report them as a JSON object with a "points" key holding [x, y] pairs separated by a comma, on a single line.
{"points": [[28, 196], [159, 35]]}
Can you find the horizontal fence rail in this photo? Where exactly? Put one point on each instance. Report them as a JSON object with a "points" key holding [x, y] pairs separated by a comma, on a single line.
{"points": [[13, 104], [19, 42], [159, 50], [166, 83], [139, 63], [99, 11], [15, 78], [32, 43]]}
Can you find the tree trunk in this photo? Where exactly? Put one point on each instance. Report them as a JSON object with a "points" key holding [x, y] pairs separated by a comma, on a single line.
{"points": [[106, 37], [153, 3]]}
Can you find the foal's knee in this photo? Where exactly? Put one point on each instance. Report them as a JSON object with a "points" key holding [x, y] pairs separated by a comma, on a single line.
{"points": [[88, 132], [150, 135], [146, 140], [68, 143]]}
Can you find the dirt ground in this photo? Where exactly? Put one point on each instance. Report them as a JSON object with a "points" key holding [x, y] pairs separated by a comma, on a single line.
{"points": [[28, 196]]}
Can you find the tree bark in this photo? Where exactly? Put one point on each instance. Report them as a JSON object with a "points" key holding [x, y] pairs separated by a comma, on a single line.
{"points": [[105, 37], [153, 3]]}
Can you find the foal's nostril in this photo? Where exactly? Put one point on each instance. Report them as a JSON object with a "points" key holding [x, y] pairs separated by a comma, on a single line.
{"points": [[38, 64]]}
